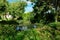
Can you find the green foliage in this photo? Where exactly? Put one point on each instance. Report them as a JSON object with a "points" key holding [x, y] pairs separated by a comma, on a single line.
{"points": [[46, 32], [55, 25], [44, 11], [34, 35], [3, 5], [46, 28], [28, 16], [17, 8], [57, 32], [7, 29]]}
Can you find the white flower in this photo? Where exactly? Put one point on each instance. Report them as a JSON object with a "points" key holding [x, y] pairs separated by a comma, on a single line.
{"points": [[8, 16]]}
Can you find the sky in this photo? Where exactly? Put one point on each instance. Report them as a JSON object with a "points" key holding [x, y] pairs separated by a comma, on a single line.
{"points": [[28, 8]]}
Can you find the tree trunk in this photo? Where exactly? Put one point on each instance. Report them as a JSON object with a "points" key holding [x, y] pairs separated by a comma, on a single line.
{"points": [[56, 17]]}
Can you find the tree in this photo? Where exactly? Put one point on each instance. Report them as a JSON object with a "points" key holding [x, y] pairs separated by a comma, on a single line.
{"points": [[3, 5], [17, 9], [44, 11]]}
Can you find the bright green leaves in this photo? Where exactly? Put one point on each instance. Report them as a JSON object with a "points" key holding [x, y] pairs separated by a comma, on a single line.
{"points": [[28, 16], [33, 34], [17, 8]]}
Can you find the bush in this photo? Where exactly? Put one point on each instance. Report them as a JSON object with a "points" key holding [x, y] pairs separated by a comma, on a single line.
{"points": [[55, 25], [56, 28], [34, 35], [52, 25]]}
